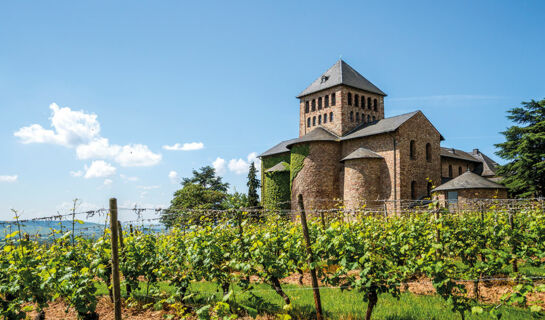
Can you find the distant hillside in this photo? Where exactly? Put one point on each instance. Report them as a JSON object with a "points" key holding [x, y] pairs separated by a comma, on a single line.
{"points": [[44, 228]]}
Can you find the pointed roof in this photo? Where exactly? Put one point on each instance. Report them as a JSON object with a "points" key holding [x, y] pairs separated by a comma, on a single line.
{"points": [[489, 166], [362, 153], [279, 167], [277, 149], [341, 73], [380, 126], [457, 154], [318, 134], [468, 180]]}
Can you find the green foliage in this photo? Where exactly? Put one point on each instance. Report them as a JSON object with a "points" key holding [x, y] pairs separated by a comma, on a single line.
{"points": [[277, 190], [253, 184], [524, 148], [298, 154], [235, 201], [206, 178]]}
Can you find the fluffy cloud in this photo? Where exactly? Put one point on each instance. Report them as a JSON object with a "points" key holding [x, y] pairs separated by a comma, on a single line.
{"points": [[240, 166], [185, 147], [76, 174], [82, 131], [108, 182], [71, 128], [99, 169], [219, 165], [8, 178], [173, 176]]}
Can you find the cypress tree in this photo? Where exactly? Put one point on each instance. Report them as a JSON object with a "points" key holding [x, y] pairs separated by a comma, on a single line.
{"points": [[253, 184]]}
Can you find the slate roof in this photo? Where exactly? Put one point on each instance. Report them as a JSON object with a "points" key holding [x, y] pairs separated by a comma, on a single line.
{"points": [[380, 126], [279, 167], [341, 73], [318, 134], [277, 149], [468, 180], [489, 165], [362, 153], [457, 154]]}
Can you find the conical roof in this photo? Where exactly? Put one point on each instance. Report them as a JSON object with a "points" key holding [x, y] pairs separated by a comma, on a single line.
{"points": [[341, 73], [362, 153], [279, 167], [468, 180]]}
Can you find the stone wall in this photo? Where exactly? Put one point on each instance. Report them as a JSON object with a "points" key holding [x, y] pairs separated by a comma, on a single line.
{"points": [[466, 198], [456, 165], [362, 183]]}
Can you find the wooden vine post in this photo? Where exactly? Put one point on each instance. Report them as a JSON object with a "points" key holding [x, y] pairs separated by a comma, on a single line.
{"points": [[115, 258], [513, 240], [315, 288]]}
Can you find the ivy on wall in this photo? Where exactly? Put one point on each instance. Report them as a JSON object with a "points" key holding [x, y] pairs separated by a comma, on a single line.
{"points": [[298, 154], [274, 185]]}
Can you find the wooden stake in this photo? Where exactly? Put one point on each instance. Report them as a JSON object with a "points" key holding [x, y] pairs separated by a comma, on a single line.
{"points": [[115, 258], [513, 241], [315, 289]]}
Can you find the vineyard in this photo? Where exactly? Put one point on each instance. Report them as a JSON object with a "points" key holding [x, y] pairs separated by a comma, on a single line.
{"points": [[228, 264]]}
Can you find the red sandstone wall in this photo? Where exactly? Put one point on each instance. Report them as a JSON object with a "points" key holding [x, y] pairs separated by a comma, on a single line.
{"points": [[362, 183]]}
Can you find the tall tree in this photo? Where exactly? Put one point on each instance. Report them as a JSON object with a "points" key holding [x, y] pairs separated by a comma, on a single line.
{"points": [[253, 184], [206, 177], [524, 147]]}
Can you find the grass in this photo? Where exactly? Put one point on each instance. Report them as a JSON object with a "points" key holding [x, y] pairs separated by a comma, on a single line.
{"points": [[339, 305]]}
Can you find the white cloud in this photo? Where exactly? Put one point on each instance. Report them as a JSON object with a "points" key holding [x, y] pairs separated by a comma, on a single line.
{"points": [[8, 178], [82, 131], [238, 166], [173, 176], [99, 169], [108, 182], [252, 157], [219, 165], [76, 174], [185, 147], [128, 178], [148, 187], [70, 128]]}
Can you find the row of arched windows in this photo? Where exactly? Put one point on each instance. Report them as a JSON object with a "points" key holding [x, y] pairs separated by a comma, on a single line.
{"points": [[369, 118], [319, 119], [357, 99], [450, 171], [317, 103], [412, 151], [414, 194]]}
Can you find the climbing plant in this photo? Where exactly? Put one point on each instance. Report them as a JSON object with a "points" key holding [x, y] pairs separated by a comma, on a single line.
{"points": [[298, 154]]}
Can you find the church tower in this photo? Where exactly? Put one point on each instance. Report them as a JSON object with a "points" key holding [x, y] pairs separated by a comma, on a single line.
{"points": [[340, 100]]}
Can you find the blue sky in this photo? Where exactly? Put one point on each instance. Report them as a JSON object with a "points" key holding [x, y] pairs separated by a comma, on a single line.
{"points": [[121, 80]]}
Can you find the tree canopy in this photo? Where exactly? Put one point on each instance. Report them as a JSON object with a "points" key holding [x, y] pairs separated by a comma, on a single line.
{"points": [[253, 184], [206, 177], [524, 147]]}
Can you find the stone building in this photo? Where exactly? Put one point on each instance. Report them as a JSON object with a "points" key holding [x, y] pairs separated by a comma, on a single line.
{"points": [[347, 150]]}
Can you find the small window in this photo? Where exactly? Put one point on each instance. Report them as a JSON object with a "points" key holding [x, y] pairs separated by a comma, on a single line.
{"points": [[357, 117], [320, 103], [351, 115], [428, 152], [326, 101], [428, 189], [375, 105], [356, 100], [374, 118], [313, 121], [349, 99], [450, 171], [306, 107], [369, 103], [413, 190], [362, 102], [308, 122], [325, 117], [333, 99], [313, 104], [452, 197], [320, 119], [412, 151], [459, 171], [331, 117]]}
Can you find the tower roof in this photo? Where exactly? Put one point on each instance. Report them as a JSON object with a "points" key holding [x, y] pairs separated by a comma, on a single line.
{"points": [[362, 153], [341, 73], [468, 180]]}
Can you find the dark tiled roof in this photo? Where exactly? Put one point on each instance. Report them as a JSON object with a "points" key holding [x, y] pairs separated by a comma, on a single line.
{"points": [[362, 153], [468, 180], [341, 73], [318, 134], [457, 154], [279, 148], [279, 167], [380, 126], [489, 165]]}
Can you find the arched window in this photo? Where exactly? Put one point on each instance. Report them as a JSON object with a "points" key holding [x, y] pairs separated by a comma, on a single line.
{"points": [[331, 117], [333, 99], [374, 118], [368, 118], [369, 103], [308, 122], [413, 190], [320, 119], [428, 189], [313, 121], [412, 151], [306, 107], [313, 104], [349, 99], [450, 171], [459, 171], [356, 100], [428, 152], [320, 103], [362, 102], [362, 117], [325, 117], [375, 104], [326, 101], [357, 117], [351, 115]]}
